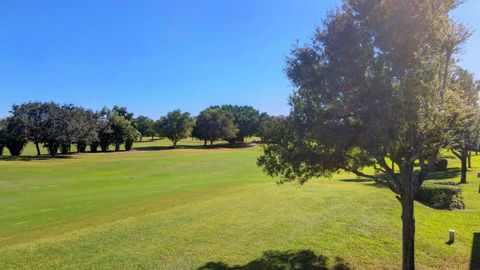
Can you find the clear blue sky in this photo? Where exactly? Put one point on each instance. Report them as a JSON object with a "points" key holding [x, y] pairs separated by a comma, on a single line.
{"points": [[155, 56]]}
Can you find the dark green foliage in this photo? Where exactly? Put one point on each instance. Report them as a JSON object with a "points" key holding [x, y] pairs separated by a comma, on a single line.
{"points": [[122, 111], [213, 124], [176, 126], [65, 148], [245, 118], [3, 126], [441, 196], [116, 128], [145, 126], [94, 146], [441, 165], [15, 134]]}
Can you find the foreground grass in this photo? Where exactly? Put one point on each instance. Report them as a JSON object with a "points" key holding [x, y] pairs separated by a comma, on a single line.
{"points": [[180, 209]]}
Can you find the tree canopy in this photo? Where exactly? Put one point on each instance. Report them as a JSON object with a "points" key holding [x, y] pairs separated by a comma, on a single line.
{"points": [[176, 126], [213, 124], [370, 88]]}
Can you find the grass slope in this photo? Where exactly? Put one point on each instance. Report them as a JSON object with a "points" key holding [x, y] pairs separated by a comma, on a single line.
{"points": [[180, 209]]}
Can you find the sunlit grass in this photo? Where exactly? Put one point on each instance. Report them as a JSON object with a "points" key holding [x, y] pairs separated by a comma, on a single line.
{"points": [[179, 209]]}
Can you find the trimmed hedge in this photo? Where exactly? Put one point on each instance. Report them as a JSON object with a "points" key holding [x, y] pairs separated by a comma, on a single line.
{"points": [[441, 196]]}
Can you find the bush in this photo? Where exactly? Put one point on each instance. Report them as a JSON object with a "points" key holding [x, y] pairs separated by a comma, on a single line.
{"points": [[441, 196], [441, 165], [128, 145], [15, 146]]}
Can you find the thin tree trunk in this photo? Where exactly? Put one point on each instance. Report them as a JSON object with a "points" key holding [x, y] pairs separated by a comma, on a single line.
{"points": [[38, 148], [408, 220], [407, 198], [408, 230], [463, 175], [174, 144], [117, 147], [469, 159]]}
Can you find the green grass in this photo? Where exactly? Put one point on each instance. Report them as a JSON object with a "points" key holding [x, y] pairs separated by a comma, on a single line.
{"points": [[180, 209]]}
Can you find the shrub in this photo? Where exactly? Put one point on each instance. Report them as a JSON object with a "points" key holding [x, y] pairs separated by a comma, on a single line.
{"points": [[441, 165], [15, 146], [441, 196]]}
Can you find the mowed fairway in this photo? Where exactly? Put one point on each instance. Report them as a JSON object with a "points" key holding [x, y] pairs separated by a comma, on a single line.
{"points": [[156, 208]]}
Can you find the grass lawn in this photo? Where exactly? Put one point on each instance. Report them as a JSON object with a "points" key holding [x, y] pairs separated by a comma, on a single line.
{"points": [[181, 209]]}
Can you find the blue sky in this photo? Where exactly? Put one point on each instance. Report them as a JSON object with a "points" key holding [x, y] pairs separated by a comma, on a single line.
{"points": [[155, 56]]}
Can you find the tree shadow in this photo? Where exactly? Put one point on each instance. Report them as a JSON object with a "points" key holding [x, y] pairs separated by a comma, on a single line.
{"points": [[356, 180], [283, 260], [31, 158], [475, 259], [450, 173], [215, 146]]}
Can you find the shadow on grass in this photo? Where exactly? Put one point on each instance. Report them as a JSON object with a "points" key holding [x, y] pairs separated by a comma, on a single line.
{"points": [[475, 259], [356, 180], [283, 260], [450, 173], [215, 146], [30, 158]]}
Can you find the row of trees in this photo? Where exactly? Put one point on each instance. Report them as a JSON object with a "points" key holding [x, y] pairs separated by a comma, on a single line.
{"points": [[378, 87], [231, 123], [58, 127]]}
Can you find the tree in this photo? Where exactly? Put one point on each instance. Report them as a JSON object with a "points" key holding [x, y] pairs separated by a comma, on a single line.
{"points": [[34, 116], [213, 124], [131, 134], [264, 120], [246, 119], [104, 131], [84, 125], [463, 117], [16, 135], [176, 126], [120, 127], [3, 126], [122, 111], [145, 126], [370, 88]]}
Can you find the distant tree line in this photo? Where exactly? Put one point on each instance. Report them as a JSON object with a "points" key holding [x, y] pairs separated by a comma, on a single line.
{"points": [[58, 127]]}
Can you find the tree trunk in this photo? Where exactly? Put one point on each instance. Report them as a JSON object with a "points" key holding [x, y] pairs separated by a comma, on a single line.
{"points": [[174, 144], [463, 175], [205, 143], [408, 220], [469, 159], [117, 147], [408, 230], [141, 138], [38, 148]]}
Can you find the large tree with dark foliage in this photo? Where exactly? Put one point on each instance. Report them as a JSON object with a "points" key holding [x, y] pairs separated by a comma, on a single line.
{"points": [[176, 126], [213, 124], [34, 115], [370, 89], [145, 126], [84, 127], [3, 131], [15, 134], [245, 118]]}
